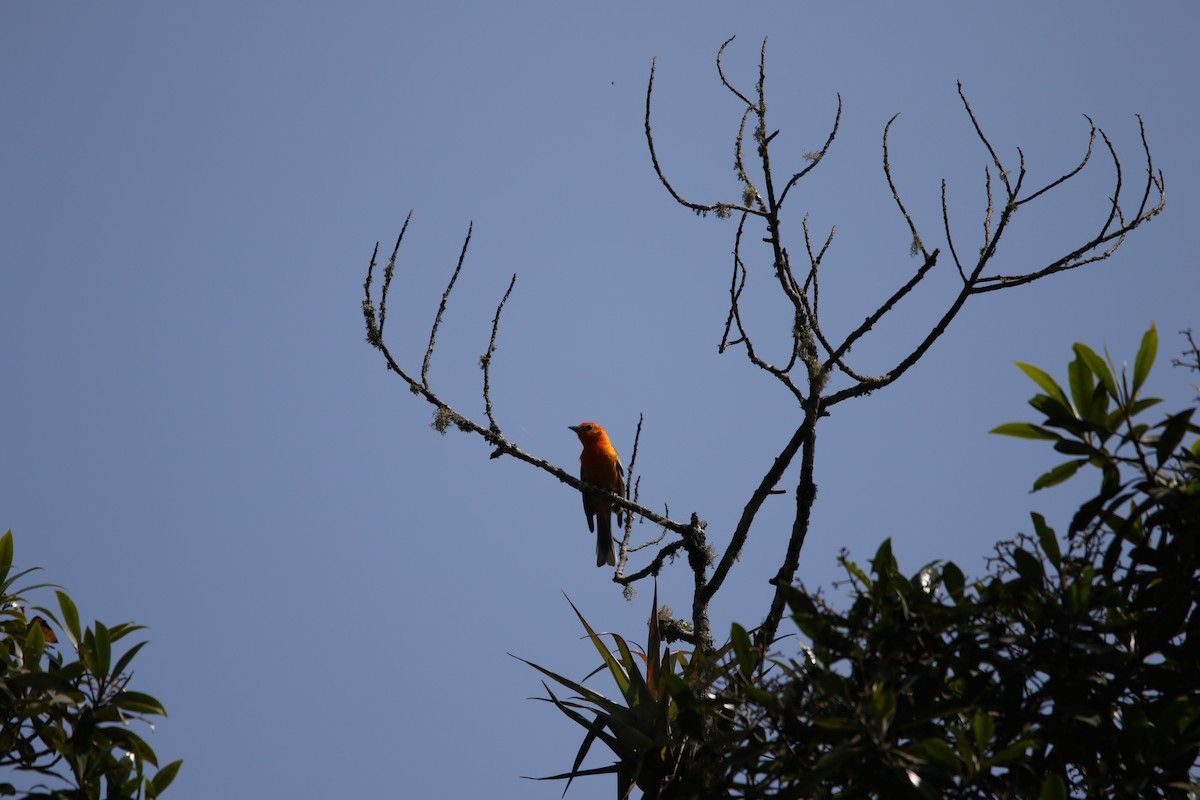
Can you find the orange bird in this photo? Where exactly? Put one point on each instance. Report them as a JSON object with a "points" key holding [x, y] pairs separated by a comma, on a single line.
{"points": [[600, 466]]}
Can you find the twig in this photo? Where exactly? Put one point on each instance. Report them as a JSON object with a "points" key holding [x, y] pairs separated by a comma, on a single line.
{"points": [[697, 207], [819, 156], [721, 72], [917, 245], [1083, 163], [654, 567], [390, 270], [987, 217], [442, 308], [485, 361], [764, 490], [632, 488], [743, 335], [979, 132], [949, 236], [888, 305], [1108, 240], [737, 282]]}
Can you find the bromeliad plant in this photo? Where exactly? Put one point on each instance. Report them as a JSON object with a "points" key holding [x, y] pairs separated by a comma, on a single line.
{"points": [[666, 718]]}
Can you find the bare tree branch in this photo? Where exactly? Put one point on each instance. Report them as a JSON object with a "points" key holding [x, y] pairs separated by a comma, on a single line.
{"points": [[724, 80], [888, 305], [812, 281], [485, 361], [815, 158], [445, 415], [814, 358], [722, 209], [737, 282], [766, 488], [437, 321], [806, 495], [743, 336], [1087, 156], [1109, 238], [632, 490], [391, 269], [987, 217], [979, 132], [917, 245], [949, 237]]}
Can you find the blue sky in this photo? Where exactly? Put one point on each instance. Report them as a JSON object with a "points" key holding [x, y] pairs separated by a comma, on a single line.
{"points": [[197, 437]]}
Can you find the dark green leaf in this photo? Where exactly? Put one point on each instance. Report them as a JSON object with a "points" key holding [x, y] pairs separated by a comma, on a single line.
{"points": [[43, 682], [589, 739], [1099, 368], [6, 554], [1047, 538], [1024, 430], [126, 739], [1058, 474], [613, 667], [1100, 405], [1174, 429], [103, 651], [952, 576], [1028, 566], [942, 752], [1012, 752], [1071, 447], [883, 704], [1147, 352], [116, 632], [162, 779], [857, 572], [35, 645], [123, 661], [826, 765], [1056, 411], [1054, 788], [884, 562], [70, 617], [631, 675], [743, 650], [1082, 387], [139, 703], [1142, 404], [653, 636], [798, 602], [1044, 380], [985, 729], [835, 724]]}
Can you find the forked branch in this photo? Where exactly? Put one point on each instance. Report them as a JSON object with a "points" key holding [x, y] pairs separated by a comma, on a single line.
{"points": [[813, 356], [690, 533], [811, 387]]}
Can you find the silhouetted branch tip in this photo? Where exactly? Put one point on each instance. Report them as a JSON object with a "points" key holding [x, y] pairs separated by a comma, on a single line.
{"points": [[437, 320]]}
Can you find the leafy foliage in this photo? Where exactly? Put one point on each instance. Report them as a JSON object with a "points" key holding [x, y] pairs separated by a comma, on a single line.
{"points": [[644, 729], [1069, 670], [68, 721]]}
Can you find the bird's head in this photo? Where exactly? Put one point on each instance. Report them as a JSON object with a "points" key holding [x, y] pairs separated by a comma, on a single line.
{"points": [[588, 431]]}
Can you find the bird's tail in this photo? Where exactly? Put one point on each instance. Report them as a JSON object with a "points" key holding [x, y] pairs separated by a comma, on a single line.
{"points": [[604, 542]]}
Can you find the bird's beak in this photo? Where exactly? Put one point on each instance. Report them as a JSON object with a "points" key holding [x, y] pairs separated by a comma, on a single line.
{"points": [[574, 428]]}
